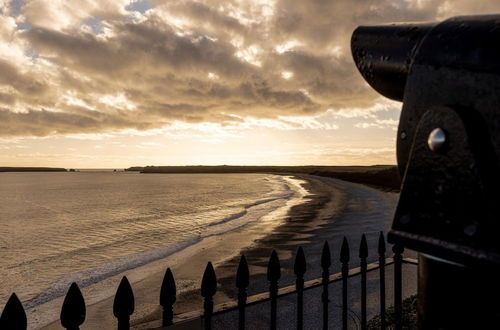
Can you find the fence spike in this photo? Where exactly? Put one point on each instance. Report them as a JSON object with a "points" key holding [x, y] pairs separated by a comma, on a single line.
{"points": [[209, 281], [242, 281], [73, 309], [299, 269], [381, 260], [363, 253], [208, 289], [344, 259], [13, 315], [363, 247], [398, 250], [168, 294], [326, 262], [242, 274], [273, 267], [344, 251], [381, 244], [273, 275], [123, 305], [326, 257]]}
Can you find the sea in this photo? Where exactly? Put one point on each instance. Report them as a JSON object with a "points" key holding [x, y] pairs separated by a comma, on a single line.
{"points": [[60, 227]]}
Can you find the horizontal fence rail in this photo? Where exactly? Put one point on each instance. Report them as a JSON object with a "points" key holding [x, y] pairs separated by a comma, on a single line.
{"points": [[73, 311]]}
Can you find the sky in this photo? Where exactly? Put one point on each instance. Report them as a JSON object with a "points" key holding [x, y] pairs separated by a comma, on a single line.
{"points": [[119, 83]]}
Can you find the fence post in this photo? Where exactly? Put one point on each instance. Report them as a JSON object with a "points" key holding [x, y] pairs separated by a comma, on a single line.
{"points": [[273, 275], [73, 309], [344, 259], [363, 254], [299, 269], [208, 289], [381, 261], [168, 294], [326, 261], [242, 281], [398, 285], [13, 315], [123, 305]]}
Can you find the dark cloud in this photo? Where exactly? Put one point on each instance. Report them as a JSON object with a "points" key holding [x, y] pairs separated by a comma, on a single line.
{"points": [[23, 83], [192, 61]]}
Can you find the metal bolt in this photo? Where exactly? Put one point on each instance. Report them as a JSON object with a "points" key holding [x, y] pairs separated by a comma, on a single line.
{"points": [[403, 135], [439, 189], [436, 139], [405, 219], [470, 230]]}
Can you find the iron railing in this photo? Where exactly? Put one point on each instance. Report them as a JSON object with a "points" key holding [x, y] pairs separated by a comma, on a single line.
{"points": [[73, 309]]}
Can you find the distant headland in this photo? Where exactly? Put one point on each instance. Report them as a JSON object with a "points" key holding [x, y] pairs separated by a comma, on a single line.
{"points": [[32, 169], [384, 177]]}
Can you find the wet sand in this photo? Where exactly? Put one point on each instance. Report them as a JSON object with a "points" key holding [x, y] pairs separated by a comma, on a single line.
{"points": [[362, 210], [337, 208]]}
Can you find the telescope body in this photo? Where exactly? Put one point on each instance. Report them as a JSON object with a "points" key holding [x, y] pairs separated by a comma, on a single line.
{"points": [[447, 74]]}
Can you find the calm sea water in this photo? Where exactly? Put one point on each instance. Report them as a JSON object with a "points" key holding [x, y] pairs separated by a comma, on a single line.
{"points": [[56, 228]]}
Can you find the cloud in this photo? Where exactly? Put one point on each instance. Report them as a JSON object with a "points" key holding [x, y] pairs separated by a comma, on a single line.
{"points": [[88, 66]]}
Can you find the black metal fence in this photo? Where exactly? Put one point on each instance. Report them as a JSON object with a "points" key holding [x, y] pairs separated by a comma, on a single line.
{"points": [[73, 310]]}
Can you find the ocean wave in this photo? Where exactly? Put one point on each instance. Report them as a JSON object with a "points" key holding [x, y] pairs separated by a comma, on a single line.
{"points": [[285, 190], [88, 277], [248, 207]]}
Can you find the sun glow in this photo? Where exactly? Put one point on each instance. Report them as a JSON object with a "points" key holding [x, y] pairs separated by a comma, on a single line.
{"points": [[118, 101]]}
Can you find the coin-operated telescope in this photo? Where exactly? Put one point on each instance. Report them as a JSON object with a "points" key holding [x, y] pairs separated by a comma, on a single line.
{"points": [[447, 75]]}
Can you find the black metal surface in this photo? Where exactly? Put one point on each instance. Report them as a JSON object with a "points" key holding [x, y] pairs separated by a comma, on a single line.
{"points": [[208, 290], [398, 285], [381, 261], [168, 296], [273, 276], [299, 269], [344, 260], [447, 75], [124, 304], [466, 300], [449, 205], [326, 262], [13, 316], [242, 282], [363, 254], [73, 310], [383, 54]]}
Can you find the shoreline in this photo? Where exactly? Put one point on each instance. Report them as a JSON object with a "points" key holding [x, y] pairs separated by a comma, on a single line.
{"points": [[327, 215], [321, 205], [187, 265], [362, 210]]}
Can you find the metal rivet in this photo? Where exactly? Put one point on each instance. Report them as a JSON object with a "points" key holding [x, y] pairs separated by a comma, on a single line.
{"points": [[403, 135], [405, 219], [470, 230], [436, 139], [439, 189]]}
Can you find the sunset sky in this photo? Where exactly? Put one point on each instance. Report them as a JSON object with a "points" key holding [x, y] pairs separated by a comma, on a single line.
{"points": [[117, 83]]}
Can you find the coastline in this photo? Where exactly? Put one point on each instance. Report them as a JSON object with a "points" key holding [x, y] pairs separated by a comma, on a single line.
{"points": [[324, 203], [187, 265], [327, 215]]}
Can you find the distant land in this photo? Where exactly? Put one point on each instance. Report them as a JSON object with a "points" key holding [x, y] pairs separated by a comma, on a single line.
{"points": [[32, 169], [385, 177]]}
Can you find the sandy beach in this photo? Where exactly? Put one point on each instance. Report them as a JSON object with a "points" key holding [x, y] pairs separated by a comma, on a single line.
{"points": [[334, 209]]}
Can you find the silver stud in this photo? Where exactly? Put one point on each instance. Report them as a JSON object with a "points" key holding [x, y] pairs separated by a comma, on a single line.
{"points": [[436, 140], [403, 135], [470, 230], [405, 219]]}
